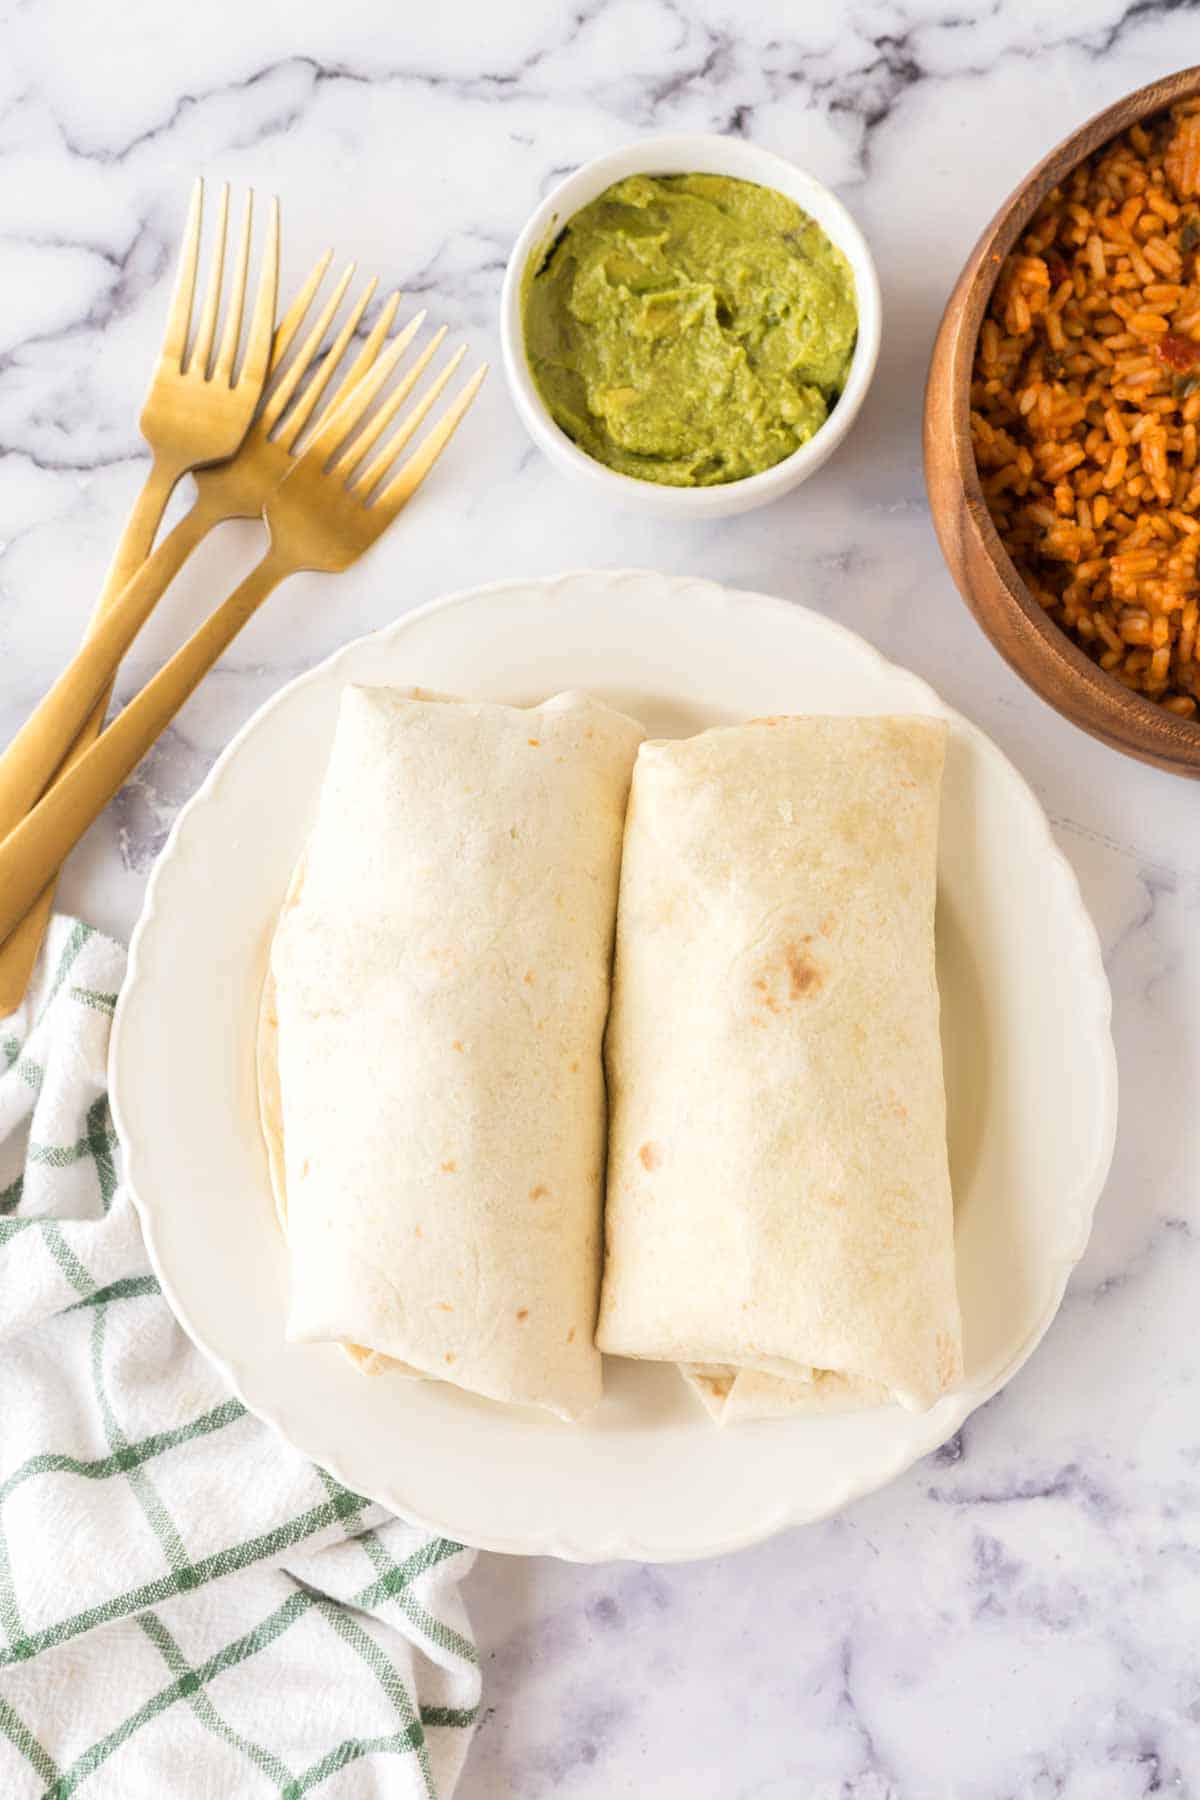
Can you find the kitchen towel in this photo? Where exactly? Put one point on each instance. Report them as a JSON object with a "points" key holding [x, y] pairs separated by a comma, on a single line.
{"points": [[187, 1606]]}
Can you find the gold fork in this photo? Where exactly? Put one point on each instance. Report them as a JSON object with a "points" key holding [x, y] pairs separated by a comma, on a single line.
{"points": [[233, 490], [194, 414], [331, 506]]}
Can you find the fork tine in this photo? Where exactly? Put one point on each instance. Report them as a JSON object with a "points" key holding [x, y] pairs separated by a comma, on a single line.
{"points": [[300, 414], [354, 452], [258, 340], [180, 314], [308, 349], [232, 332], [205, 331], [340, 421], [378, 467], [370, 350], [409, 477], [293, 318]]}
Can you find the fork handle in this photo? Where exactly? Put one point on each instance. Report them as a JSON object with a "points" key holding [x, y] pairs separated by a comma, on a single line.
{"points": [[46, 736], [32, 852]]}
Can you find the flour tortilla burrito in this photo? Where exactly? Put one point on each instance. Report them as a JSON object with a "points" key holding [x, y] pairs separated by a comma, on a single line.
{"points": [[779, 1218], [430, 1074]]}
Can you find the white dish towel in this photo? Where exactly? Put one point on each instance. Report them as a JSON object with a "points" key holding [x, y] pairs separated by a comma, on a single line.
{"points": [[187, 1606]]}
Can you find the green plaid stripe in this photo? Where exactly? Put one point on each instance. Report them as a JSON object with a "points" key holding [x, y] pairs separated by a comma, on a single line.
{"points": [[101, 1469], [444, 1636], [19, 1735], [351, 1750], [183, 1687], [65, 1257], [204, 1709], [223, 1562], [79, 936], [458, 1718], [189, 1682], [11, 1228], [389, 1679], [101, 1003], [129, 1287], [102, 1141], [139, 1475], [31, 1073], [61, 1156]]}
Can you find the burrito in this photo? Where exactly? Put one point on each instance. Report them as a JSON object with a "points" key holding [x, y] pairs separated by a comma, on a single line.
{"points": [[779, 1218], [430, 1071]]}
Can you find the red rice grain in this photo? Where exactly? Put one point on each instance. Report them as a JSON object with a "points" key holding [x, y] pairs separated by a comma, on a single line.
{"points": [[1085, 400]]}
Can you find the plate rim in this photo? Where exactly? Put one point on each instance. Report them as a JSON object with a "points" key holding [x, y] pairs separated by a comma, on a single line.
{"points": [[946, 1418]]}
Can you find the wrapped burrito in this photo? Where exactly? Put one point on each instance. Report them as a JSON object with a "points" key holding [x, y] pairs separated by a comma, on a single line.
{"points": [[440, 984], [779, 1215]]}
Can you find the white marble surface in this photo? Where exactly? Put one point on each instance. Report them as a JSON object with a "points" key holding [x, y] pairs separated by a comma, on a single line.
{"points": [[1018, 1616]]}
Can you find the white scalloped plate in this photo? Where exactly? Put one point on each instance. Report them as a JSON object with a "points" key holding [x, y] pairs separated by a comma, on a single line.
{"points": [[1025, 1014]]}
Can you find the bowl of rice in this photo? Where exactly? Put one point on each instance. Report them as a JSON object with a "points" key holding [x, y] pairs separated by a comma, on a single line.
{"points": [[1062, 427]]}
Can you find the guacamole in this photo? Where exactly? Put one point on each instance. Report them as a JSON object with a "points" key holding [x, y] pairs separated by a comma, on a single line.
{"points": [[690, 329]]}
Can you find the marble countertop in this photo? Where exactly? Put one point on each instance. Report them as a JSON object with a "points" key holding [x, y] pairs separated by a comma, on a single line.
{"points": [[1017, 1616]]}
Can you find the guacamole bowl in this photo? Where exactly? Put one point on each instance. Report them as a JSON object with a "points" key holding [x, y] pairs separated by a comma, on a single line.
{"points": [[688, 155]]}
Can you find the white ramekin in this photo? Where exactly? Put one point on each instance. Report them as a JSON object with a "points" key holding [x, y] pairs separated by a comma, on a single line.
{"points": [[682, 155]]}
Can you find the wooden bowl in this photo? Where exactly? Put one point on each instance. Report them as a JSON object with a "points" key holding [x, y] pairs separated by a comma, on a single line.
{"points": [[1029, 640]]}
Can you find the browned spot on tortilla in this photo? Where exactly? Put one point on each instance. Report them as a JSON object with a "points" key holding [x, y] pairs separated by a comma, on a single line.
{"points": [[457, 1045], [650, 1156], [769, 719], [533, 742], [896, 1107], [523, 1313], [449, 1356], [443, 1306], [539, 1192], [449, 1167], [905, 782], [574, 1065], [826, 925], [529, 978], [717, 1385], [571, 1333], [768, 999], [304, 1168], [804, 977], [417, 1232], [802, 973]]}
